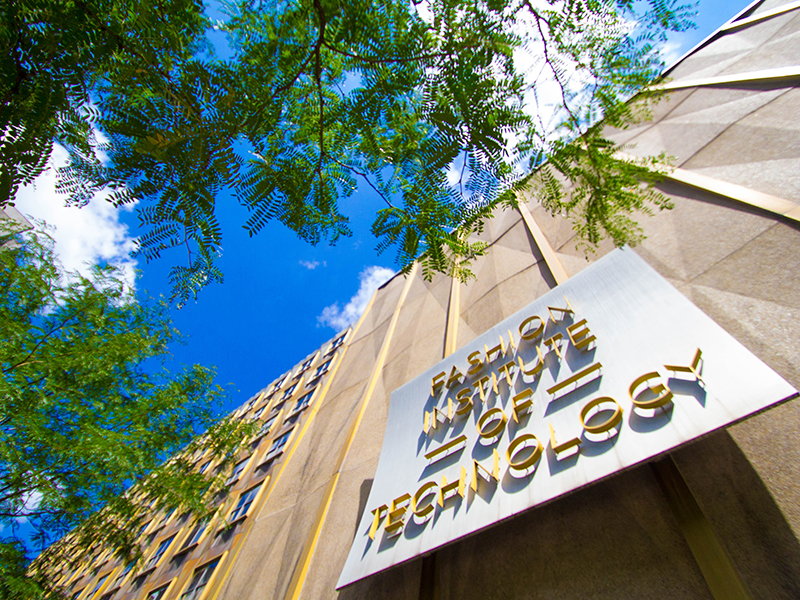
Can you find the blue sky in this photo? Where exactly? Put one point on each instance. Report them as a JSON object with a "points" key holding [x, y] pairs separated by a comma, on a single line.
{"points": [[266, 316]]}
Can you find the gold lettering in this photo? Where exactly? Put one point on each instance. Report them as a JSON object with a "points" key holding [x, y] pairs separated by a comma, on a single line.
{"points": [[553, 343], [518, 444], [579, 335], [559, 448], [432, 419], [489, 416], [493, 474], [454, 379], [575, 378], [609, 423], [564, 311], [476, 363], [533, 371], [511, 342], [522, 404], [662, 392], [479, 385], [376, 520], [464, 399], [457, 487], [500, 349], [426, 510], [531, 334], [434, 455], [695, 368], [506, 368], [437, 382], [394, 520]]}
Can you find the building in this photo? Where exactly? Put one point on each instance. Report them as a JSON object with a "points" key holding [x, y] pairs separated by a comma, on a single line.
{"points": [[716, 517]]}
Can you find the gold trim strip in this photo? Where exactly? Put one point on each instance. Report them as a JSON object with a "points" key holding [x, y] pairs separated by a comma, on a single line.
{"points": [[714, 561], [453, 314], [299, 577], [760, 17], [766, 202], [791, 72], [711, 37], [271, 480], [550, 257]]}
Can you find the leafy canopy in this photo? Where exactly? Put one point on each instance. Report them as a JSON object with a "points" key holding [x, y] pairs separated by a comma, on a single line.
{"points": [[442, 107], [88, 414]]}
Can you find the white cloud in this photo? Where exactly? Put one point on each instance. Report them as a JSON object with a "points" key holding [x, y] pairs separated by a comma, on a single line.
{"points": [[670, 52], [371, 278], [313, 264], [85, 236]]}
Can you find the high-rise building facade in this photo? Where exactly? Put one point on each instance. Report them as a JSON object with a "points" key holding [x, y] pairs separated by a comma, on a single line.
{"points": [[716, 514]]}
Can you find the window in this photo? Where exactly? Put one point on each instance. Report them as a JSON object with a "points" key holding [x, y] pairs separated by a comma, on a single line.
{"points": [[243, 505], [124, 573], [237, 471], [260, 412], [268, 424], [138, 582], [157, 593], [277, 446], [99, 584], [336, 343], [199, 581], [205, 466], [306, 364], [289, 391], [162, 548], [279, 443], [279, 383], [323, 368], [196, 534], [110, 594], [304, 401]]}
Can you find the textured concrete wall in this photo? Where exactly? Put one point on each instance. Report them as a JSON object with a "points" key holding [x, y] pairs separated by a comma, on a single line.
{"points": [[617, 538]]}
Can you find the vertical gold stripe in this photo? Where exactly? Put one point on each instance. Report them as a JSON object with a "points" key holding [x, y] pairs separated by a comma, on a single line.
{"points": [[549, 255], [714, 561], [299, 577], [453, 314], [271, 481]]}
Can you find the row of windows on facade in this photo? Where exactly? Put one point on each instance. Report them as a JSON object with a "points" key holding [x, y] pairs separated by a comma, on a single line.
{"points": [[246, 499], [289, 392], [238, 512], [200, 577], [199, 581], [321, 370]]}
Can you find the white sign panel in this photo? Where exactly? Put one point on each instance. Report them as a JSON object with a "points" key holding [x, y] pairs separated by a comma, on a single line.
{"points": [[611, 368]]}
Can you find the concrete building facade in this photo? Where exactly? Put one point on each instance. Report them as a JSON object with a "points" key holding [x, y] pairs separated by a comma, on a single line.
{"points": [[716, 518]]}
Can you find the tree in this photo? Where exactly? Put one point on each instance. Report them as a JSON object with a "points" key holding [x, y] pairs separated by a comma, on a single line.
{"points": [[429, 104], [88, 415]]}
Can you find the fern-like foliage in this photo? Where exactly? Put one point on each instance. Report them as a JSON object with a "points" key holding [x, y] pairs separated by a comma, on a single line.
{"points": [[430, 105]]}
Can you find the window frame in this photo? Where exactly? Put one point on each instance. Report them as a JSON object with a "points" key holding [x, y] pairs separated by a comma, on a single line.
{"points": [[191, 593], [158, 555], [163, 589], [237, 475], [196, 535], [243, 501]]}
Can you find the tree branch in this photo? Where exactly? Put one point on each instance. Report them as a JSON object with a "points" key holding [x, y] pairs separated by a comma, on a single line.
{"points": [[366, 178]]}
